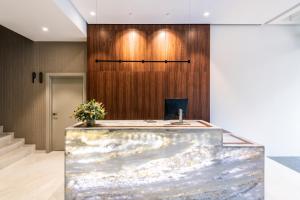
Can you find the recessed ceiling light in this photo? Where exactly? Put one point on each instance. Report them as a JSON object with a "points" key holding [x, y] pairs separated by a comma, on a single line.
{"points": [[45, 29], [92, 13], [206, 14]]}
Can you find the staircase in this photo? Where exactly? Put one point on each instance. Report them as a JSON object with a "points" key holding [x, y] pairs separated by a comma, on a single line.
{"points": [[12, 149]]}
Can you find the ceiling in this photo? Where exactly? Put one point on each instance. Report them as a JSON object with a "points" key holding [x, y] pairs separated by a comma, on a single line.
{"points": [[66, 19], [181, 11], [291, 16], [27, 17]]}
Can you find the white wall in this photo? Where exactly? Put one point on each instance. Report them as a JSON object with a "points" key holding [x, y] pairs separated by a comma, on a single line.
{"points": [[255, 84]]}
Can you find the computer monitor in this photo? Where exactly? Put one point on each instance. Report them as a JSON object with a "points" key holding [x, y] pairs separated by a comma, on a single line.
{"points": [[172, 107]]}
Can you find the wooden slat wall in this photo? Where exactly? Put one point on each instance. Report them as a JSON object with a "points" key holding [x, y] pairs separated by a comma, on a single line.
{"points": [[23, 104], [137, 90]]}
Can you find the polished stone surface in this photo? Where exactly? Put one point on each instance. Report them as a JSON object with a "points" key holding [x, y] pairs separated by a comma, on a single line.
{"points": [[40, 176], [143, 124], [160, 164]]}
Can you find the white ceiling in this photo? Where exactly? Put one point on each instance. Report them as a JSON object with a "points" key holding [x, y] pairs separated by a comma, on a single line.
{"points": [[66, 19], [181, 11], [27, 17], [291, 16]]}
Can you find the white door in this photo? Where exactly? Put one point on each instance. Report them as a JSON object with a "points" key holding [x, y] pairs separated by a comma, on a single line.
{"points": [[67, 93]]}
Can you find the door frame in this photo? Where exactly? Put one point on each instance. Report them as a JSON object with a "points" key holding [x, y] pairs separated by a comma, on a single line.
{"points": [[48, 80]]}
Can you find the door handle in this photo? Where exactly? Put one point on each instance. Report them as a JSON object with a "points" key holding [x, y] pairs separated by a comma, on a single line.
{"points": [[54, 115]]}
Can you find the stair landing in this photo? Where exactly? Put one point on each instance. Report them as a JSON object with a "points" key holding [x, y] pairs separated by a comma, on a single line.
{"points": [[12, 149]]}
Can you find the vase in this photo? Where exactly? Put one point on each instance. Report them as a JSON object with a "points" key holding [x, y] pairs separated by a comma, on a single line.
{"points": [[90, 123]]}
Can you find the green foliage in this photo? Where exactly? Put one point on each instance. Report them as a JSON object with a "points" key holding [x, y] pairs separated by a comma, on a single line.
{"points": [[91, 110]]}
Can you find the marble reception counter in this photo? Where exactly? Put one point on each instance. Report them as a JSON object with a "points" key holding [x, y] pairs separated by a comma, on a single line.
{"points": [[161, 160]]}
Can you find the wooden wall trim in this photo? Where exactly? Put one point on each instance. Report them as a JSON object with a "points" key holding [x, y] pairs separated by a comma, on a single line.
{"points": [[138, 90]]}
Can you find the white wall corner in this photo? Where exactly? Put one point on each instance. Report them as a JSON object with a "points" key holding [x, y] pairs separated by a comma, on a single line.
{"points": [[72, 13]]}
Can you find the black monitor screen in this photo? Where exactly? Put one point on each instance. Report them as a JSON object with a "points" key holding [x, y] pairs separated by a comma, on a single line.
{"points": [[172, 107]]}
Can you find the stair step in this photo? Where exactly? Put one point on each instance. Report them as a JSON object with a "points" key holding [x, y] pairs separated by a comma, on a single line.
{"points": [[5, 139], [15, 155], [9, 133], [16, 143]]}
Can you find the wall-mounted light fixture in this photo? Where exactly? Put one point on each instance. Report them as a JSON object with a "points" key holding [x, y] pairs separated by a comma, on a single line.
{"points": [[33, 77], [41, 77]]}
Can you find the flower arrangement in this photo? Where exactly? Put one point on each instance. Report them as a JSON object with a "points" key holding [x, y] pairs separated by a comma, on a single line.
{"points": [[89, 112]]}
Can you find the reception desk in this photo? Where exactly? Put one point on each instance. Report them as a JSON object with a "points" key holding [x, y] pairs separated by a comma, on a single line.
{"points": [[161, 160]]}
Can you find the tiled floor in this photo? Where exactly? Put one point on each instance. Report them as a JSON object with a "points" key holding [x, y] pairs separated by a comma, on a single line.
{"points": [[281, 183], [290, 162], [40, 176]]}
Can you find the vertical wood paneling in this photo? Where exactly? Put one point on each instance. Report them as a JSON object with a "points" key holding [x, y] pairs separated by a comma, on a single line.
{"points": [[22, 104], [136, 90]]}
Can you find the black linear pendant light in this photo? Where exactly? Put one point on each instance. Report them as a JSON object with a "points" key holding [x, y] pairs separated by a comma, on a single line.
{"points": [[145, 61]]}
